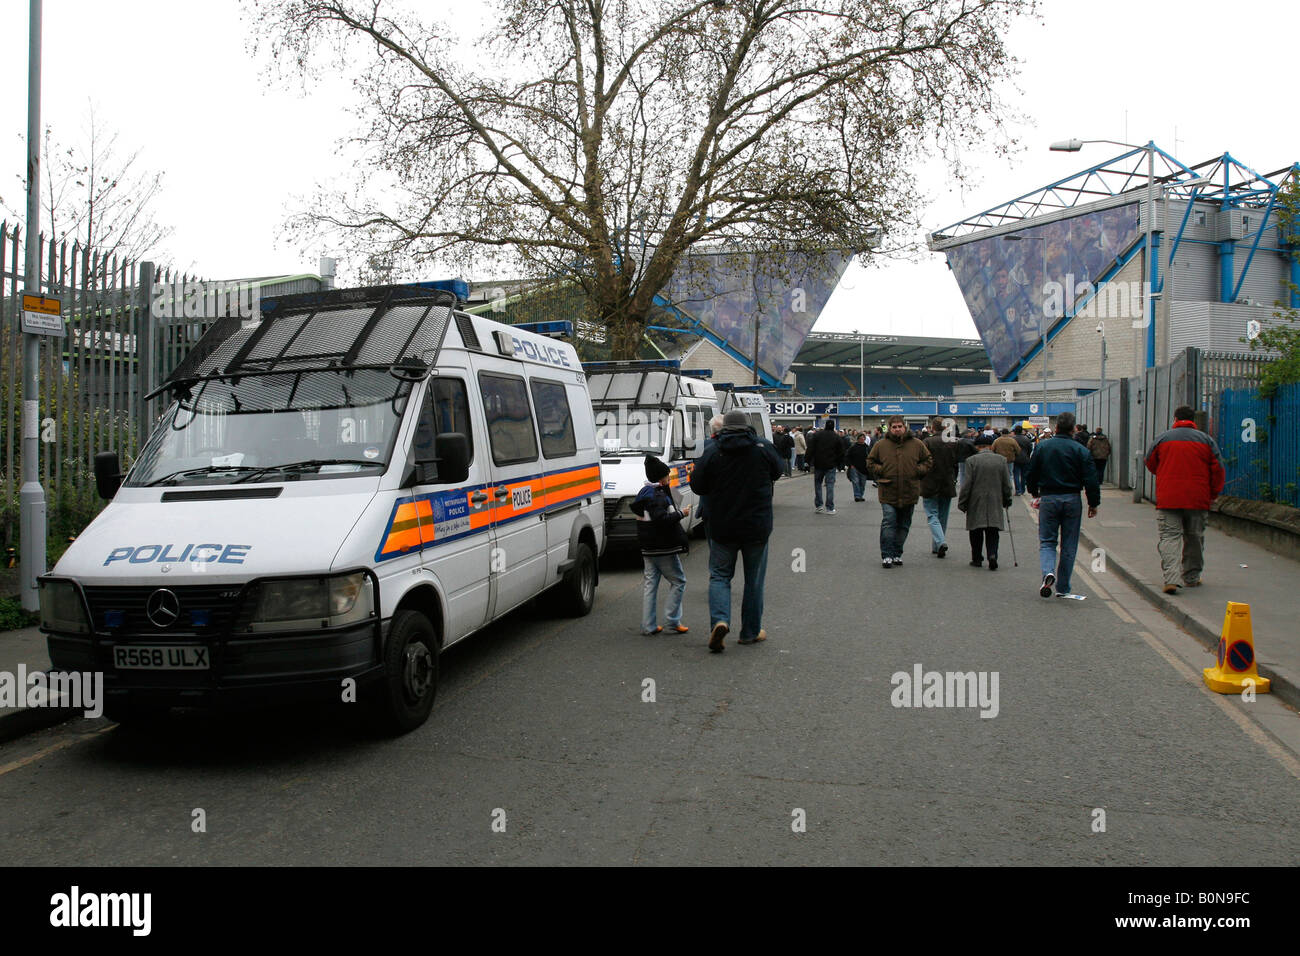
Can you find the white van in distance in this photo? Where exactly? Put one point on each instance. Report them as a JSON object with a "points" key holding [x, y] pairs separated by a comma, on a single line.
{"points": [[339, 490]]}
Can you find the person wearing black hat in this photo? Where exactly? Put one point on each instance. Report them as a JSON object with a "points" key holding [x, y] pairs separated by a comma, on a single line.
{"points": [[985, 495], [737, 473], [661, 536]]}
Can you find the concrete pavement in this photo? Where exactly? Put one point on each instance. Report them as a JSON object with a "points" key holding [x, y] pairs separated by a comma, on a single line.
{"points": [[24, 651]]}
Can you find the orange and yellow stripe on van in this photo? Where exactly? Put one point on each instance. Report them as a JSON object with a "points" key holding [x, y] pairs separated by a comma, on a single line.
{"points": [[424, 520]]}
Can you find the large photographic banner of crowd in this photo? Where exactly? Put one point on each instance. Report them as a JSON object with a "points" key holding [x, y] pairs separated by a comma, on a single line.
{"points": [[784, 291], [1007, 289]]}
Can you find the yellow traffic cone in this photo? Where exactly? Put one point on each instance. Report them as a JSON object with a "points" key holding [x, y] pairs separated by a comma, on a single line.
{"points": [[1236, 653]]}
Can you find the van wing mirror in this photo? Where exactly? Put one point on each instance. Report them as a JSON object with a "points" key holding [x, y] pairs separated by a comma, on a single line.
{"points": [[108, 474], [451, 455]]}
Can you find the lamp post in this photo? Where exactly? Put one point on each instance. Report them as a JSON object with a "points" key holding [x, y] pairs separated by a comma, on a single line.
{"points": [[1101, 330], [862, 378], [1042, 318], [31, 503]]}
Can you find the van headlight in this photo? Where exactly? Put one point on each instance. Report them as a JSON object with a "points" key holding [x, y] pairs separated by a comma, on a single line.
{"points": [[284, 604], [62, 608]]}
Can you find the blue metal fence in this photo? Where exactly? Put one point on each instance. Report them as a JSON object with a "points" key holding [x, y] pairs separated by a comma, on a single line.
{"points": [[1260, 442]]}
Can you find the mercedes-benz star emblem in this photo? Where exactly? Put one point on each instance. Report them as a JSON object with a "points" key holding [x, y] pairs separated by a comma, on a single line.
{"points": [[163, 608]]}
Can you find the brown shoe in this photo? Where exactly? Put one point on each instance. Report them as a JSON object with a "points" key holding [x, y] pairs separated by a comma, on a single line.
{"points": [[1192, 584], [716, 635], [762, 636], [680, 629], [1171, 588]]}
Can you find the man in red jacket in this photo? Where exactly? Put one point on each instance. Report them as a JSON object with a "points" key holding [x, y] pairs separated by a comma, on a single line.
{"points": [[1189, 476]]}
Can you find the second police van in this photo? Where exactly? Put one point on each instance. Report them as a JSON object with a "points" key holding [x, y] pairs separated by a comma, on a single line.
{"points": [[647, 408], [338, 492]]}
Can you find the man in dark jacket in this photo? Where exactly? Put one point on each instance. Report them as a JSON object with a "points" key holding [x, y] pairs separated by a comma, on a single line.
{"points": [[1189, 476], [826, 452], [938, 486], [1099, 448], [1059, 470], [856, 465], [662, 539], [898, 463], [784, 445], [1021, 464], [965, 448], [737, 473]]}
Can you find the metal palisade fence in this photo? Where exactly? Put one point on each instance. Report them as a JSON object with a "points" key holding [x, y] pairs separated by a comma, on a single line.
{"points": [[1259, 438], [91, 380]]}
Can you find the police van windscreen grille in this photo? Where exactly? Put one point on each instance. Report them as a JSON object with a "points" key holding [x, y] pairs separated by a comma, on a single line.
{"points": [[321, 333], [216, 339], [467, 334], [405, 330], [659, 388], [375, 327]]}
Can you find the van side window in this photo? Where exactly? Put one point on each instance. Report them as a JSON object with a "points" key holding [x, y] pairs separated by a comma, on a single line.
{"points": [[678, 451], [554, 420], [446, 409], [509, 418]]}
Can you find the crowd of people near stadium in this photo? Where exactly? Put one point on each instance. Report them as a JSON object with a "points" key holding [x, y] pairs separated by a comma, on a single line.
{"points": [[982, 469]]}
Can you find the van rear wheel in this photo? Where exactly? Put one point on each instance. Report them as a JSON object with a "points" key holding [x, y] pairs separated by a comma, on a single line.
{"points": [[577, 592], [410, 681]]}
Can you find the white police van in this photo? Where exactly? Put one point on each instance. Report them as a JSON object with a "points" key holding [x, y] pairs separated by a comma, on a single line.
{"points": [[647, 408], [339, 491]]}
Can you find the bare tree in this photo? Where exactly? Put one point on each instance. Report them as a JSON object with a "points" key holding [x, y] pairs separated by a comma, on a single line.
{"points": [[600, 140], [95, 195]]}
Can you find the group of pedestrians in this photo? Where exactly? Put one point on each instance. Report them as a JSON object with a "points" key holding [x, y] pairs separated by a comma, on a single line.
{"points": [[983, 470]]}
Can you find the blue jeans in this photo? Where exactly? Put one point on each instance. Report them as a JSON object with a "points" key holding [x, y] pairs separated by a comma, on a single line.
{"points": [[1059, 515], [961, 474], [894, 525], [1019, 478], [722, 568], [859, 482], [827, 475], [789, 463], [936, 512], [662, 566]]}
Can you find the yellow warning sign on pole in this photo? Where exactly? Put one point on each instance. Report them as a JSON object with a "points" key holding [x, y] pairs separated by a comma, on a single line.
{"points": [[43, 315], [1236, 653]]}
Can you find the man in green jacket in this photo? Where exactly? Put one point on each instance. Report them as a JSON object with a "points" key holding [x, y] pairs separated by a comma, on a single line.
{"points": [[897, 464]]}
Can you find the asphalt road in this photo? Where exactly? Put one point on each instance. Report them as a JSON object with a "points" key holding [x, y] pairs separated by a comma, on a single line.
{"points": [[541, 728]]}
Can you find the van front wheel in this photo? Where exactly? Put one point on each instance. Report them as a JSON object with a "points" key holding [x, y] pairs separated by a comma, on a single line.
{"points": [[410, 674]]}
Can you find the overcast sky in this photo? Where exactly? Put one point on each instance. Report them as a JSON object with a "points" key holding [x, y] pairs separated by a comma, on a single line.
{"points": [[240, 151]]}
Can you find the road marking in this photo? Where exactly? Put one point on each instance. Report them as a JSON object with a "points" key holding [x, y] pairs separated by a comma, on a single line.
{"points": [[53, 748], [1251, 729], [1107, 598]]}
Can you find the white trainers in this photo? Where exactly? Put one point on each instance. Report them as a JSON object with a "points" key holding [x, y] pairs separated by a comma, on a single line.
{"points": [[820, 510], [832, 511]]}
